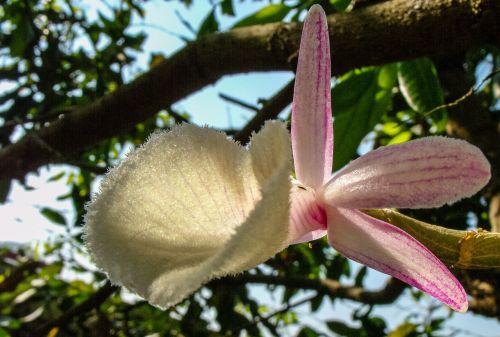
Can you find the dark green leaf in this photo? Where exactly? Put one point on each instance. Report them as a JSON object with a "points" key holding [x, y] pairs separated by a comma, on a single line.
{"points": [[340, 5], [343, 329], [4, 333], [56, 177], [421, 89], [268, 14], [53, 216], [358, 103], [4, 190], [338, 267], [419, 84], [209, 24], [227, 7], [360, 276], [21, 36], [307, 332], [316, 303]]}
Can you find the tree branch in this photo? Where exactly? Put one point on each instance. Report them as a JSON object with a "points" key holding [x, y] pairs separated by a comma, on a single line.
{"points": [[94, 301], [387, 295], [382, 33], [270, 110]]}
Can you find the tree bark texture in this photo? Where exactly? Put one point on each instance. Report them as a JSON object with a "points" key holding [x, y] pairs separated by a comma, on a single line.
{"points": [[386, 32]]}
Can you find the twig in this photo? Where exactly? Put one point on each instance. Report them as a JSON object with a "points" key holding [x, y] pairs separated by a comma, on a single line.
{"points": [[94, 301], [99, 170], [54, 114], [474, 89], [470, 92], [239, 102], [270, 110], [18, 275], [287, 307], [177, 116]]}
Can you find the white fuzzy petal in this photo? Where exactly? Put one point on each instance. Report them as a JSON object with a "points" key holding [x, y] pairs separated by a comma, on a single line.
{"points": [[188, 206]]}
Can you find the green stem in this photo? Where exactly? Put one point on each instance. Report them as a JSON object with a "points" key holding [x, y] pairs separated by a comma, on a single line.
{"points": [[460, 249]]}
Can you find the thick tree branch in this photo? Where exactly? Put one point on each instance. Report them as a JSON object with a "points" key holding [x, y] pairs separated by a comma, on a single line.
{"points": [[387, 295], [382, 33]]}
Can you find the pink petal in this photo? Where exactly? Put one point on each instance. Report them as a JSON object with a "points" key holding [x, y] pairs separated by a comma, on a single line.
{"points": [[427, 172], [388, 249], [312, 130], [307, 217]]}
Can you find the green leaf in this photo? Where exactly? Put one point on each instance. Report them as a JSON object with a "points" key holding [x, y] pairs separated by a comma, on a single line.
{"points": [[360, 276], [268, 14], [4, 333], [21, 36], [4, 190], [358, 102], [392, 128], [343, 329], [337, 267], [458, 248], [340, 5], [421, 89], [403, 330], [307, 332], [316, 303], [400, 138], [53, 216], [227, 7], [209, 24], [56, 177]]}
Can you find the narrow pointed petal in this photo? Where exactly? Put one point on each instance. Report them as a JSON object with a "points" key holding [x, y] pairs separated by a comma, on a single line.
{"points": [[188, 206], [312, 129], [307, 217], [388, 249], [428, 172]]}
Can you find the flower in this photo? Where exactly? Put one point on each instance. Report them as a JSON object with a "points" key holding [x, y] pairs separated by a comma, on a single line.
{"points": [[428, 172], [191, 205]]}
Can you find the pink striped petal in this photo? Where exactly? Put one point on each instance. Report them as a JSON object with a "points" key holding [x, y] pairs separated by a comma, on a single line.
{"points": [[312, 130], [307, 217], [427, 172], [388, 249]]}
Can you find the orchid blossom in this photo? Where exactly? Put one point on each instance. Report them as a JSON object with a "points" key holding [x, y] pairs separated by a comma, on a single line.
{"points": [[191, 205]]}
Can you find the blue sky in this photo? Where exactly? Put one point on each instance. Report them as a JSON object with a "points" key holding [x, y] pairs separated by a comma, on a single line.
{"points": [[22, 222]]}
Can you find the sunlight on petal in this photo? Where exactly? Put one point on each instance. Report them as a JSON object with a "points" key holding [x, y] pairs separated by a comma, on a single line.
{"points": [[388, 249], [428, 172], [307, 217], [166, 213], [312, 129]]}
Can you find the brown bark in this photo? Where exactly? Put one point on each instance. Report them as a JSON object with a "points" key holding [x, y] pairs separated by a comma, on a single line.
{"points": [[382, 33], [386, 295]]}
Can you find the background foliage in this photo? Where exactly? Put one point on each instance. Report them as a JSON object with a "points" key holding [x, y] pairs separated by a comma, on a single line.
{"points": [[50, 289]]}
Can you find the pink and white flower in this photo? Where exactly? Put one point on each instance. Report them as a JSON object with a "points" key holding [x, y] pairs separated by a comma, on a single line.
{"points": [[191, 205], [428, 172]]}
